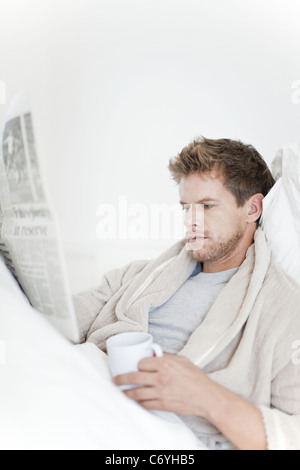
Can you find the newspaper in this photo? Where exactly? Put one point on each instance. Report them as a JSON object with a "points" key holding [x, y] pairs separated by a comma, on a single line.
{"points": [[30, 241]]}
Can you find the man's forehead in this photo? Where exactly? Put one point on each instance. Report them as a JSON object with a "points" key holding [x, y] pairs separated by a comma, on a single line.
{"points": [[206, 186]]}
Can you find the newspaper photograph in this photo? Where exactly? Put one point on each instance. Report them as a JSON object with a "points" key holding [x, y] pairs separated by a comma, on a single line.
{"points": [[30, 241]]}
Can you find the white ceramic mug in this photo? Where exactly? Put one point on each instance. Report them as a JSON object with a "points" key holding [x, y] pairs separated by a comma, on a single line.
{"points": [[126, 350]]}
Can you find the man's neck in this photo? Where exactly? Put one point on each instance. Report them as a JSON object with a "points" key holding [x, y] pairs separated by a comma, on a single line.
{"points": [[233, 261]]}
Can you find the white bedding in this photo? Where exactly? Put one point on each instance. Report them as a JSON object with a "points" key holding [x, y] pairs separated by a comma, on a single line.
{"points": [[281, 211], [54, 395]]}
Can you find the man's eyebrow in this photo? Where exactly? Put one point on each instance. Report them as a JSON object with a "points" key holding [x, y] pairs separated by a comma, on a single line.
{"points": [[203, 201]]}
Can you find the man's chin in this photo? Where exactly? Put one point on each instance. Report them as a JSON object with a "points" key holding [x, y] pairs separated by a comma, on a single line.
{"points": [[196, 245], [198, 255]]}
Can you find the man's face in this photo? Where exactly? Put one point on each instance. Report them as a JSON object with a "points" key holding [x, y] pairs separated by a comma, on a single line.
{"points": [[217, 222]]}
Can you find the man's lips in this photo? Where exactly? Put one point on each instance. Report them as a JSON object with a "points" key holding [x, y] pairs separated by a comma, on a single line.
{"points": [[193, 238]]}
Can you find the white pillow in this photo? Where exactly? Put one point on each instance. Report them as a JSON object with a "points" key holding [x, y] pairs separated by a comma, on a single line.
{"points": [[281, 211]]}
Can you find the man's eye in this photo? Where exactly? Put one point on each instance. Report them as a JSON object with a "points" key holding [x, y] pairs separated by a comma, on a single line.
{"points": [[186, 208]]}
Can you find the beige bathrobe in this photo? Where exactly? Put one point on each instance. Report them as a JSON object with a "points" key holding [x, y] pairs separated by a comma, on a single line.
{"points": [[247, 342]]}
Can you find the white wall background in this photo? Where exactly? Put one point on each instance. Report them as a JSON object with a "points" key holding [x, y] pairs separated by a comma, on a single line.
{"points": [[120, 86]]}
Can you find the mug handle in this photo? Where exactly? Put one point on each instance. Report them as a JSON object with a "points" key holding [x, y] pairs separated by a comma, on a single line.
{"points": [[157, 350]]}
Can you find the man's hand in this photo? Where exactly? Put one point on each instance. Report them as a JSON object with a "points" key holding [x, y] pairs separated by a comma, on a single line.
{"points": [[174, 383], [170, 383]]}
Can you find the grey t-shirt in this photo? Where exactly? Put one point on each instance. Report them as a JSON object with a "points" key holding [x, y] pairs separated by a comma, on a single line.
{"points": [[172, 323]]}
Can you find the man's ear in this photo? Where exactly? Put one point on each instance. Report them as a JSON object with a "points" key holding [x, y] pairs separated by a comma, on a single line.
{"points": [[255, 207]]}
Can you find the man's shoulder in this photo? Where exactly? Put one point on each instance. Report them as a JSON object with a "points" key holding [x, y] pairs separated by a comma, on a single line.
{"points": [[279, 322], [132, 269], [135, 267], [277, 278], [117, 277], [281, 295]]}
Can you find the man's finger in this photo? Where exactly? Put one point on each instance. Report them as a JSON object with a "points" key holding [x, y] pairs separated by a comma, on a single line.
{"points": [[141, 394], [150, 364], [154, 404], [136, 378]]}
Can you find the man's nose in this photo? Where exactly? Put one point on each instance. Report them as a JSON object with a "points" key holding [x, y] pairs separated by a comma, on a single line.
{"points": [[194, 217]]}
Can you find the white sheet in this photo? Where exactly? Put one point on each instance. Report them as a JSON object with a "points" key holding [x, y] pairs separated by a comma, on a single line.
{"points": [[54, 395]]}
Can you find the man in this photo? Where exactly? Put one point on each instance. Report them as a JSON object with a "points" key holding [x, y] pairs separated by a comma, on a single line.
{"points": [[224, 313]]}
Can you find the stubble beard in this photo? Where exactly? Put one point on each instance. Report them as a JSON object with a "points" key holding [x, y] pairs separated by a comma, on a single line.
{"points": [[220, 249]]}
